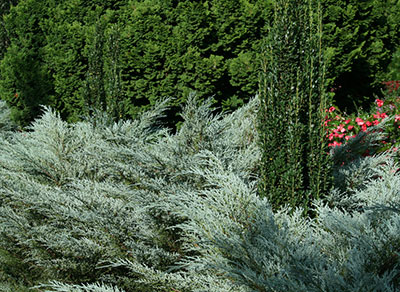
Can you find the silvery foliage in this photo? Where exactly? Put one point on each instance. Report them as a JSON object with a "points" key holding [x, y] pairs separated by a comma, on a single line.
{"points": [[351, 245], [6, 124], [102, 196], [353, 172], [85, 197], [61, 287]]}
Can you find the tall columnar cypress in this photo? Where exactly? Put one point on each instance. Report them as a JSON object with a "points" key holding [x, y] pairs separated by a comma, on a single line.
{"points": [[294, 166], [94, 94], [102, 86], [112, 84]]}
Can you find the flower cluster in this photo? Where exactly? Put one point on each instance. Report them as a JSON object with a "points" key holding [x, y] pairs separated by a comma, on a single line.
{"points": [[340, 128], [392, 86]]}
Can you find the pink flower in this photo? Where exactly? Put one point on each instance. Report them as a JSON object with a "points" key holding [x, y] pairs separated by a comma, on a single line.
{"points": [[364, 127], [335, 144], [340, 128], [350, 127], [379, 102], [347, 121], [368, 123], [383, 115], [331, 109], [359, 121]]}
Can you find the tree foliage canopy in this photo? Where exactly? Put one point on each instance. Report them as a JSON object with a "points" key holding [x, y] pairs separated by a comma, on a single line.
{"points": [[124, 55], [361, 38]]}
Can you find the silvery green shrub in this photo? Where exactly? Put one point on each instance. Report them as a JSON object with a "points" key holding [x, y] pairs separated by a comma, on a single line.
{"points": [[78, 198], [6, 124], [105, 206]]}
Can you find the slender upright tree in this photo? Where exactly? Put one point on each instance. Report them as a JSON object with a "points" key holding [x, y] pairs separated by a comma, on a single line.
{"points": [[95, 94], [295, 166]]}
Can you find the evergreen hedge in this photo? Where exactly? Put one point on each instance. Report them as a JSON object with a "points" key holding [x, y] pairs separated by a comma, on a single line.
{"points": [[361, 38], [394, 66], [124, 55], [25, 81], [4, 37]]}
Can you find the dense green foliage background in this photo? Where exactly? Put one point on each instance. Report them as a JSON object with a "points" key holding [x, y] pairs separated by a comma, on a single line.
{"points": [[4, 39], [394, 66], [124, 55], [360, 39], [131, 53]]}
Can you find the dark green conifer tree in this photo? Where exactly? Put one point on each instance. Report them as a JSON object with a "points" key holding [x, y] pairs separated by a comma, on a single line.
{"points": [[360, 38], [4, 36], [25, 82], [294, 166], [95, 95]]}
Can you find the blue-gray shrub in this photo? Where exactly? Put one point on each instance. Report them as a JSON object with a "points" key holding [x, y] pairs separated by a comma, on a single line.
{"points": [[107, 206], [6, 124]]}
